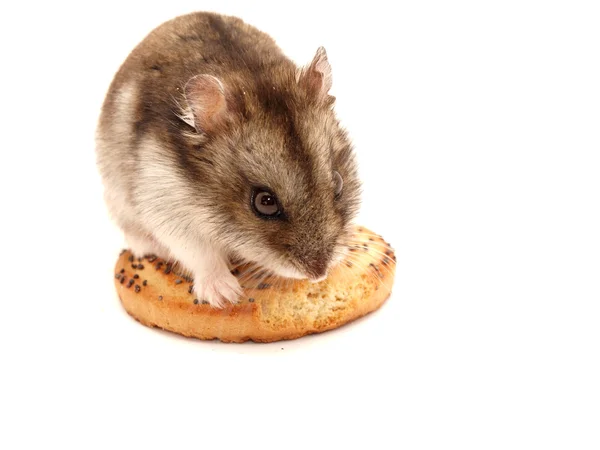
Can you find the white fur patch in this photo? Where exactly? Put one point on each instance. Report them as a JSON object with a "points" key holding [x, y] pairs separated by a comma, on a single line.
{"points": [[187, 116], [114, 156]]}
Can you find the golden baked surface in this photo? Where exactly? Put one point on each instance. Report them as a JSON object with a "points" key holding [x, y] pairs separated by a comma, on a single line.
{"points": [[271, 308]]}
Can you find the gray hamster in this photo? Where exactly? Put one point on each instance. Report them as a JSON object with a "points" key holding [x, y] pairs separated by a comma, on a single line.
{"points": [[213, 145]]}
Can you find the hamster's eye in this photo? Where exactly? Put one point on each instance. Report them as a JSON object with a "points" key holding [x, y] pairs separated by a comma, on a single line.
{"points": [[338, 183], [265, 204]]}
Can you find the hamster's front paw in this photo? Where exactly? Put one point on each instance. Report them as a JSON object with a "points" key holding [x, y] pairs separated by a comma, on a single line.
{"points": [[143, 245], [218, 289]]}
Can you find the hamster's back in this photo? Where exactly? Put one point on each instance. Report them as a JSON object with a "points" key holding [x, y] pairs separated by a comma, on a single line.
{"points": [[193, 44]]}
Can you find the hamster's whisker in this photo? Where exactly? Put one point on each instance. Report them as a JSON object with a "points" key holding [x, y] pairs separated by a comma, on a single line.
{"points": [[347, 252], [274, 288], [369, 243], [374, 254], [261, 277], [372, 249], [253, 274], [361, 259], [365, 232], [248, 271], [380, 267], [349, 276], [376, 280]]}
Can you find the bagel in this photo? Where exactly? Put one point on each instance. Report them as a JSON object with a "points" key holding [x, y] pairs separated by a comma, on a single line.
{"points": [[271, 308]]}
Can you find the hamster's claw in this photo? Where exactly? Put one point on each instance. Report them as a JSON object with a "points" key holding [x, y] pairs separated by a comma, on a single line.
{"points": [[219, 290]]}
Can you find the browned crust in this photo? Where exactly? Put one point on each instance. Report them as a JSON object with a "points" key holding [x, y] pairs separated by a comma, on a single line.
{"points": [[290, 311]]}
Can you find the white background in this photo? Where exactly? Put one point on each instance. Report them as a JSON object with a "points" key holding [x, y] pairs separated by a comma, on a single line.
{"points": [[477, 128]]}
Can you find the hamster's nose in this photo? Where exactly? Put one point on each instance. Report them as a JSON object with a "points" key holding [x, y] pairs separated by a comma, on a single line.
{"points": [[316, 266], [317, 272]]}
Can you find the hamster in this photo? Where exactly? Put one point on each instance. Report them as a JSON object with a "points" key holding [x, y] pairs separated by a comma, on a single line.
{"points": [[213, 145]]}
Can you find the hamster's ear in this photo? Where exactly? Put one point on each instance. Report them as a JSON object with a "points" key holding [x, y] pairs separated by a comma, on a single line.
{"points": [[205, 96], [316, 77]]}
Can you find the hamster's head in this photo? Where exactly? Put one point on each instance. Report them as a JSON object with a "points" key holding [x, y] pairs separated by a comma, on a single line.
{"points": [[277, 170]]}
